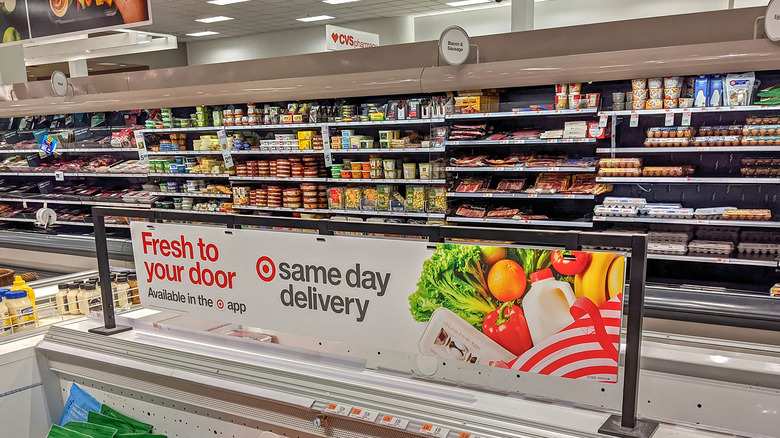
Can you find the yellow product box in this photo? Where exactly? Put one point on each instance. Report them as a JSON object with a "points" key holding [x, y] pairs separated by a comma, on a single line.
{"points": [[304, 144], [287, 119], [297, 118], [377, 117], [397, 144], [478, 104], [305, 135]]}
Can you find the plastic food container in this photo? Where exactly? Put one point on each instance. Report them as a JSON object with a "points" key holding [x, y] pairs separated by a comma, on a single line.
{"points": [[654, 104], [620, 171], [671, 131], [601, 210], [667, 142], [638, 104], [667, 248], [639, 94], [620, 162], [410, 170], [719, 140], [762, 120], [674, 213], [620, 202], [769, 140], [667, 171], [712, 213], [638, 84], [748, 215], [711, 247], [656, 93], [727, 130]]}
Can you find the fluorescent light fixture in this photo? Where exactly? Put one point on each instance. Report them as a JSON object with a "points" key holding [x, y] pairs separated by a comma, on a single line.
{"points": [[315, 18], [338, 2], [225, 2], [203, 33], [107, 64], [214, 19], [467, 3]]}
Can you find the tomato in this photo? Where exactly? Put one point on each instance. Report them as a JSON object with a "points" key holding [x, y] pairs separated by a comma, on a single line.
{"points": [[570, 262]]}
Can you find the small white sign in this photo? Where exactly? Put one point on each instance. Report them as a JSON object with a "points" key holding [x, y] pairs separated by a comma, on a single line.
{"points": [[454, 45], [669, 119], [603, 121], [223, 147], [342, 38], [363, 414], [59, 83], [435, 431], [140, 143], [686, 118], [326, 144], [634, 122], [59, 175], [398, 423], [772, 20], [338, 409]]}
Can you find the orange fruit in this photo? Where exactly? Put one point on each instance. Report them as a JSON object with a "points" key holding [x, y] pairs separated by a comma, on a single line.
{"points": [[506, 280]]}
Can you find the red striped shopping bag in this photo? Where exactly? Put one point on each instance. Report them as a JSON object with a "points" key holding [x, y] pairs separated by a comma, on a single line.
{"points": [[586, 349]]}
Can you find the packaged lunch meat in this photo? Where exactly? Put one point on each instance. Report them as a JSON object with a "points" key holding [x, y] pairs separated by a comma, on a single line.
{"points": [[467, 210]]}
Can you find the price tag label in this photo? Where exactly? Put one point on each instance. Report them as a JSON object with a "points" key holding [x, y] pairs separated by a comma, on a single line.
{"points": [[24, 203], [140, 143], [553, 169], [337, 409], [634, 121], [325, 129], [223, 147], [398, 423], [503, 142], [669, 119], [603, 121], [431, 430], [599, 219], [59, 175], [533, 195], [487, 195], [686, 118]]}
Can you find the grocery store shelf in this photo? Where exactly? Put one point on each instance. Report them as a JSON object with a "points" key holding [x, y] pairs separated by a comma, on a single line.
{"points": [[519, 141], [189, 175], [704, 258], [280, 152], [74, 202], [77, 174], [72, 150], [82, 245], [719, 222], [671, 150], [80, 224], [390, 213], [172, 153], [386, 151], [387, 123], [166, 210], [281, 209], [522, 169], [517, 195], [192, 195], [231, 128], [687, 180], [713, 109], [543, 222], [524, 113], [275, 179]]}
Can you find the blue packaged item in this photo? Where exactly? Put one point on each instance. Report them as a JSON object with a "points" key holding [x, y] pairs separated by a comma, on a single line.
{"points": [[702, 87], [78, 406], [715, 95]]}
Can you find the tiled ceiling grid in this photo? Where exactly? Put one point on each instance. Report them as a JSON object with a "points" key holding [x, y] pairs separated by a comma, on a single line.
{"points": [[178, 17]]}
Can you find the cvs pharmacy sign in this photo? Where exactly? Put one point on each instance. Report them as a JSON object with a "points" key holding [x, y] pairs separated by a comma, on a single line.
{"points": [[341, 38]]}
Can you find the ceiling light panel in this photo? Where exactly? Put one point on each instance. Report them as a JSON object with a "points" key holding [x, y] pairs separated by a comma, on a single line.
{"points": [[201, 34], [225, 2], [338, 2], [315, 18], [467, 3], [214, 19]]}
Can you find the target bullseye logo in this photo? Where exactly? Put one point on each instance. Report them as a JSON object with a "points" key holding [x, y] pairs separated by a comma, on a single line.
{"points": [[266, 269], [220, 304]]}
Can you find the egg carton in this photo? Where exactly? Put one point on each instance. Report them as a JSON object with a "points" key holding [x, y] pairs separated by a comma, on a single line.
{"points": [[711, 213], [758, 248], [759, 237], [678, 228], [671, 213], [601, 210], [711, 247], [668, 237], [667, 248], [618, 202], [646, 209], [725, 234]]}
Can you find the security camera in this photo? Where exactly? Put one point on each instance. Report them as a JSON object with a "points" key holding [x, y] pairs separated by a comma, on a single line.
{"points": [[498, 1]]}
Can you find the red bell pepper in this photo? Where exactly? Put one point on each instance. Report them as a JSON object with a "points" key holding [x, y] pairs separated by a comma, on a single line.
{"points": [[508, 328]]}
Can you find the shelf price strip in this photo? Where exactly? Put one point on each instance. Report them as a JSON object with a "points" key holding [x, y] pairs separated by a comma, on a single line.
{"points": [[435, 431], [398, 423], [363, 414]]}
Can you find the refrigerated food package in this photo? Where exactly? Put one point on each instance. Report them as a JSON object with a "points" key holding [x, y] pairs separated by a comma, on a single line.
{"points": [[669, 236], [473, 185], [601, 210], [620, 171], [711, 247], [511, 185], [712, 213], [668, 171], [748, 215], [766, 140], [750, 236], [415, 199], [624, 202], [671, 132], [469, 161], [762, 129], [727, 234], [760, 161], [706, 131], [502, 212], [673, 213], [620, 162], [760, 171], [667, 248], [645, 209], [667, 142], [551, 183], [718, 140], [763, 120], [758, 248], [437, 199], [471, 211], [586, 184], [739, 89]]}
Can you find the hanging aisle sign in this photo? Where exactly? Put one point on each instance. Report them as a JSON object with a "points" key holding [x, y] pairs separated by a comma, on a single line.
{"points": [[454, 45], [772, 20], [506, 307]]}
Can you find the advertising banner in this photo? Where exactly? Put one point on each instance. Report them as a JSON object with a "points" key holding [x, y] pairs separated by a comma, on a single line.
{"points": [[21, 20], [342, 38], [541, 311]]}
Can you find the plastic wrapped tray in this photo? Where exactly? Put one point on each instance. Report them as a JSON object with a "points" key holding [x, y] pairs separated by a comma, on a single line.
{"points": [[760, 161], [711, 247], [671, 132], [647, 207], [759, 248], [719, 140], [761, 129], [668, 142], [620, 171], [748, 215], [612, 201], [706, 131], [711, 213], [667, 171], [667, 248], [760, 171], [673, 213], [762, 120], [620, 162], [768, 140], [601, 210]]}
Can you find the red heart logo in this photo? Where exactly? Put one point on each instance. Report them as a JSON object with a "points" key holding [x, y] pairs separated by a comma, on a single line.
{"points": [[335, 37]]}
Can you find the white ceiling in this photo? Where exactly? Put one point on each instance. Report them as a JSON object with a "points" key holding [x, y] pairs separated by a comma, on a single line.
{"points": [[178, 17]]}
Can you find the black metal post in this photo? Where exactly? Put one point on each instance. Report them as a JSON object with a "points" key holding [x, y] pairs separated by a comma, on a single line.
{"points": [[627, 425], [104, 270]]}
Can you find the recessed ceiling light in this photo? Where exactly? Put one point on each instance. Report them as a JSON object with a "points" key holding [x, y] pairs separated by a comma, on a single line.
{"points": [[214, 19], [338, 2], [467, 3], [203, 33], [315, 18], [107, 63], [122, 65], [225, 2]]}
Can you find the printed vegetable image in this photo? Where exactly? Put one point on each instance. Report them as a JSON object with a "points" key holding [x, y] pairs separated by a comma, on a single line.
{"points": [[507, 280], [592, 283], [570, 262], [508, 327], [492, 254]]}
